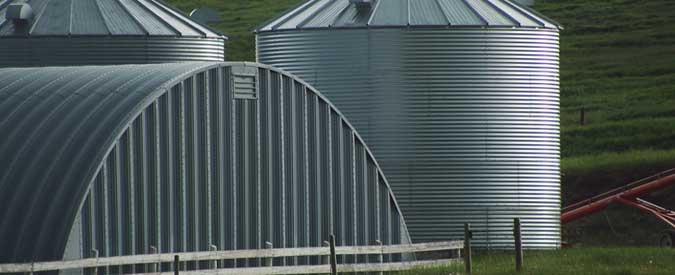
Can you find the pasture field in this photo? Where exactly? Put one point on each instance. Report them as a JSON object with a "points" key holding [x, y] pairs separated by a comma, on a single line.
{"points": [[582, 261]]}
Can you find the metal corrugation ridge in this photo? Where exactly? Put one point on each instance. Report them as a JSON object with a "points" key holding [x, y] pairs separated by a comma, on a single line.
{"points": [[491, 15], [409, 13], [328, 16], [426, 13], [97, 18], [59, 121], [92, 50], [464, 121], [108, 140], [391, 13]]}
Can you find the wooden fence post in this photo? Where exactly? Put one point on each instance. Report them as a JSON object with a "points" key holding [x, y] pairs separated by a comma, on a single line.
{"points": [[333, 258], [380, 257], [467, 247], [213, 264], [325, 260], [519, 244], [153, 268], [94, 254], [176, 264], [268, 261], [582, 116]]}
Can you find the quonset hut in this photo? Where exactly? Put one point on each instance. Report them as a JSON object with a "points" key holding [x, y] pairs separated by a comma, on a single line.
{"points": [[91, 32], [180, 157], [458, 99]]}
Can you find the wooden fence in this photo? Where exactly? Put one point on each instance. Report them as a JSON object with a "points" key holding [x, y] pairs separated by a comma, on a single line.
{"points": [[153, 261]]}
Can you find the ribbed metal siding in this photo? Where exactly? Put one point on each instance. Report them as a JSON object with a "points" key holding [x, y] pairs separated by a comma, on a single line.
{"points": [[68, 51], [199, 167], [464, 121]]}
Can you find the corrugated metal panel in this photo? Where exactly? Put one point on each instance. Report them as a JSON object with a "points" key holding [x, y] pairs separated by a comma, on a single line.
{"points": [[65, 51], [491, 14], [92, 32], [459, 13], [118, 20], [467, 13], [425, 12], [465, 122], [293, 22], [329, 16], [122, 17], [165, 156], [82, 12], [391, 13], [514, 12]]}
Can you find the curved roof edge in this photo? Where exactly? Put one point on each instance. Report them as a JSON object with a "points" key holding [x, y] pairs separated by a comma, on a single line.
{"points": [[63, 121], [342, 14]]}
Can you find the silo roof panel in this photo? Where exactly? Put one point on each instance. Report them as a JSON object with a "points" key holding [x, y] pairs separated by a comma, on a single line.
{"points": [[328, 17], [408, 13], [106, 17], [150, 22], [492, 15], [351, 16], [391, 13], [118, 20], [316, 8], [88, 11], [523, 19], [54, 18], [424, 12]]}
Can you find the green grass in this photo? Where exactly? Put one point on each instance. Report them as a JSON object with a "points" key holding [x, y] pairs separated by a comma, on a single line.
{"points": [[617, 61], [595, 261]]}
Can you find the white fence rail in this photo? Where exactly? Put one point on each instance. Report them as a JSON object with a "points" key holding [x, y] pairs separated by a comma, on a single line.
{"points": [[155, 259]]}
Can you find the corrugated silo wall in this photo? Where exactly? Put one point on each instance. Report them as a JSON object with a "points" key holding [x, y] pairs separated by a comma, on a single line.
{"points": [[101, 50], [235, 157], [464, 121]]}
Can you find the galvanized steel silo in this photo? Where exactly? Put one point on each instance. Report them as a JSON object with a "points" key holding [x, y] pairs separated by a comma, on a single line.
{"points": [[90, 32], [459, 100]]}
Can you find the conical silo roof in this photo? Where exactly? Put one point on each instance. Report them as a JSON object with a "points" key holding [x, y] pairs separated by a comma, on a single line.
{"points": [[104, 17], [99, 32], [408, 13]]}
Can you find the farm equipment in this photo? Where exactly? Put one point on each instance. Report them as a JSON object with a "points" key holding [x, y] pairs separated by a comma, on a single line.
{"points": [[630, 195]]}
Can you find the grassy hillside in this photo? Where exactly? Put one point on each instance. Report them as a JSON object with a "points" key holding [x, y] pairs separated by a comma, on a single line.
{"points": [[617, 63]]}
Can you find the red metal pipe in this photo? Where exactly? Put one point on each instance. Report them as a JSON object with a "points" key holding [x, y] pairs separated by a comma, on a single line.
{"points": [[586, 210], [619, 190], [663, 214], [648, 188], [628, 192]]}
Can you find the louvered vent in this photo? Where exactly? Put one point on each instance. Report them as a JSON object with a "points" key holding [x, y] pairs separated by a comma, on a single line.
{"points": [[245, 83]]}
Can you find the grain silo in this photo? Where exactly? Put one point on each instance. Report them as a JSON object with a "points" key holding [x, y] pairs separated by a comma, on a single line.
{"points": [[91, 32], [458, 99]]}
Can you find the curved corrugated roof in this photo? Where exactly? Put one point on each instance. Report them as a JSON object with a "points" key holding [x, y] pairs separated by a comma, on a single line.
{"points": [[315, 14], [105, 18], [58, 124]]}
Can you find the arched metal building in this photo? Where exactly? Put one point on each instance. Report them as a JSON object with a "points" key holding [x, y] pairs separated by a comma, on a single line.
{"points": [[179, 157], [91, 32], [458, 99]]}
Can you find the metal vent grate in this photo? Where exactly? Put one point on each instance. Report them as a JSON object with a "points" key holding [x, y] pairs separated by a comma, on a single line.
{"points": [[245, 83]]}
